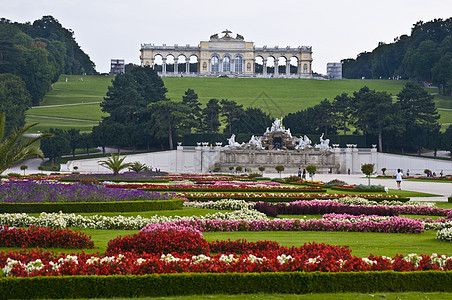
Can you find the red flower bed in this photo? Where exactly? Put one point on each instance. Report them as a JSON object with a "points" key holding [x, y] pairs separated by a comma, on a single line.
{"points": [[307, 258], [159, 242], [44, 237]]}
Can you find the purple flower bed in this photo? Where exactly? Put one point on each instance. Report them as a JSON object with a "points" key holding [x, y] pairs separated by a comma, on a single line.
{"points": [[320, 207], [385, 225], [38, 192], [126, 176]]}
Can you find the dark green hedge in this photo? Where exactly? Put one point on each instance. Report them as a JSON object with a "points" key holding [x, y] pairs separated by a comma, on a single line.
{"points": [[88, 207], [339, 188], [284, 199], [226, 283]]}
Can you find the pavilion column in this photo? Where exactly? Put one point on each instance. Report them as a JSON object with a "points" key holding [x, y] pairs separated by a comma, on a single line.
{"points": [[288, 67], [264, 67], [187, 66], [164, 65], [276, 68], [220, 67], [299, 67], [176, 65], [232, 65]]}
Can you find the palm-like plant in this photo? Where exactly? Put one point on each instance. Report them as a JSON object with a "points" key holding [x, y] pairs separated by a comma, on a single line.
{"points": [[14, 149], [115, 163], [139, 167]]}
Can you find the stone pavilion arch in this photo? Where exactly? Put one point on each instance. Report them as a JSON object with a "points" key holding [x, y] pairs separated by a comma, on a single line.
{"points": [[228, 55]]}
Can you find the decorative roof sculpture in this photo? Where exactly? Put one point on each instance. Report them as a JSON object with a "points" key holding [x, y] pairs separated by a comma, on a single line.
{"points": [[226, 36]]}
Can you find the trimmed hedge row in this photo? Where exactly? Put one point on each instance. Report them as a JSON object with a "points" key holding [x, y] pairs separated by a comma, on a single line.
{"points": [[88, 207], [223, 283], [287, 199], [339, 188]]}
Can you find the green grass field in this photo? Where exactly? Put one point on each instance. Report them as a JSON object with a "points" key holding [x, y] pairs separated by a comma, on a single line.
{"points": [[275, 96]]}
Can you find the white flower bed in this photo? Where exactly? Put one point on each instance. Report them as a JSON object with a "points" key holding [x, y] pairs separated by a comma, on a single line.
{"points": [[62, 220], [224, 204], [444, 234]]}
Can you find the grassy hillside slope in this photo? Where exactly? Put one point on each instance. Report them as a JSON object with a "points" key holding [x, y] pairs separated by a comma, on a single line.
{"points": [[75, 103]]}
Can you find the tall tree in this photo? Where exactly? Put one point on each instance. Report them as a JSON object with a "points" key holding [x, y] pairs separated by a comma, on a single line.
{"points": [[190, 99], [170, 118], [13, 149], [417, 111], [211, 116], [14, 100], [447, 139], [253, 120], [56, 146], [375, 113], [232, 112], [325, 121], [342, 110], [74, 139]]}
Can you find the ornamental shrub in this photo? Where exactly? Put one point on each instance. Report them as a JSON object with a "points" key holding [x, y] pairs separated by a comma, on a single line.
{"points": [[159, 242], [292, 178], [335, 182]]}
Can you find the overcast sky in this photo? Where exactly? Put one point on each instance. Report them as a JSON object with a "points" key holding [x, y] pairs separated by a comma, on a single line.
{"points": [[336, 29]]}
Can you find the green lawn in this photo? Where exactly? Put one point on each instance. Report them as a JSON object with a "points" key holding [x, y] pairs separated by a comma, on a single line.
{"points": [[46, 123], [275, 96], [89, 112]]}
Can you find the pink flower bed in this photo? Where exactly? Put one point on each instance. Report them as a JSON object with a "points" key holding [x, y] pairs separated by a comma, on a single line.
{"points": [[257, 195], [386, 225], [316, 207], [217, 185]]}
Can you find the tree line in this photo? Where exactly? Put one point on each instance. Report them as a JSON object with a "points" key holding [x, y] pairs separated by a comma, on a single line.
{"points": [[140, 116], [32, 57], [424, 56]]}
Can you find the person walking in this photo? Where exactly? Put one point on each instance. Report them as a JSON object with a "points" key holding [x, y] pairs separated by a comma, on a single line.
{"points": [[398, 178]]}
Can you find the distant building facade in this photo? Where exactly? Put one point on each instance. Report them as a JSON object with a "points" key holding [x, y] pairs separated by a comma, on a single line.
{"points": [[334, 70], [117, 66], [228, 56]]}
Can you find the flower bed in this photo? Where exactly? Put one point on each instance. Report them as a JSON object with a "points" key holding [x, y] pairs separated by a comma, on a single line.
{"points": [[219, 186], [444, 234], [307, 258], [39, 192], [316, 207], [278, 197], [145, 176], [62, 220], [43, 237], [363, 224]]}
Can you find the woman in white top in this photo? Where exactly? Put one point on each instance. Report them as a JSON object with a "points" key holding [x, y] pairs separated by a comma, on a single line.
{"points": [[398, 178]]}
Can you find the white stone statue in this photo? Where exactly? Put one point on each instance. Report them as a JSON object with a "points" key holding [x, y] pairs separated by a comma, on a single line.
{"points": [[303, 142], [324, 144], [277, 126], [289, 134], [256, 142], [232, 142]]}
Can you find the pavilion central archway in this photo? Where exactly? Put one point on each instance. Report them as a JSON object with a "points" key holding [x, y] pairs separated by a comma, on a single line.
{"points": [[228, 56]]}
